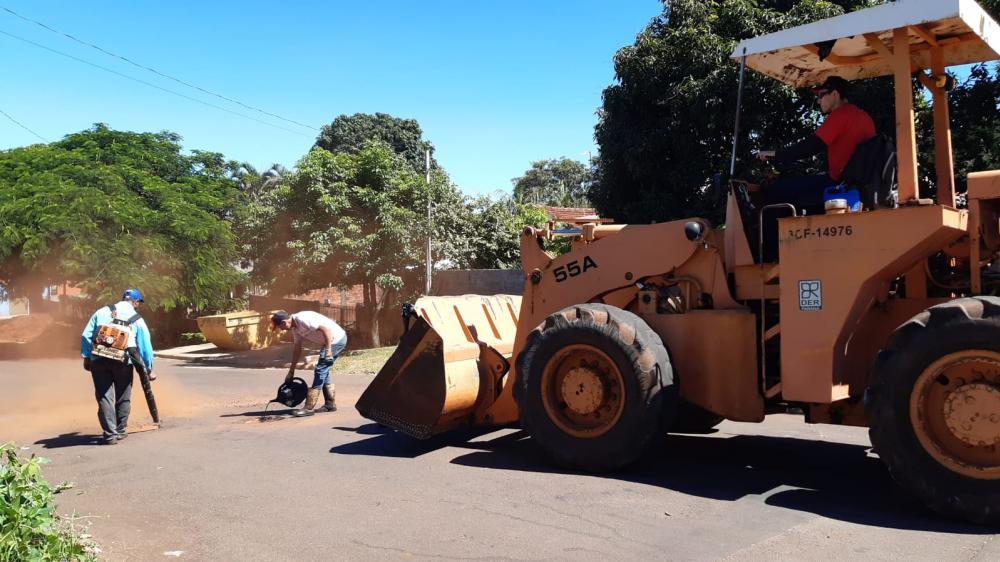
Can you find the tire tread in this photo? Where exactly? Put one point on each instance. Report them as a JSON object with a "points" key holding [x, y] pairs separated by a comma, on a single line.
{"points": [[888, 380]]}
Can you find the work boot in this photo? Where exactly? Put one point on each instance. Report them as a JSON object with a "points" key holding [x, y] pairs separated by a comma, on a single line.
{"points": [[329, 400], [307, 410]]}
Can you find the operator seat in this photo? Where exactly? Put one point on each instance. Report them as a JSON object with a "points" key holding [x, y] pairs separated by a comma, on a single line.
{"points": [[872, 171]]}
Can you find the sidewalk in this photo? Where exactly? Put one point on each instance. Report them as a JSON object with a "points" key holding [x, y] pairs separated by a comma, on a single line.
{"points": [[274, 357]]}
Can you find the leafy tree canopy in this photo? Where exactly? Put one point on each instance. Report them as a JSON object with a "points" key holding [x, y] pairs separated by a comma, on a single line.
{"points": [[665, 125], [349, 133], [344, 219], [560, 182], [360, 219], [975, 132], [106, 209], [497, 224]]}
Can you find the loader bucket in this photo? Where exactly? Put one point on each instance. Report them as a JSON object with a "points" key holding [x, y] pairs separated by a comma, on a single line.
{"points": [[449, 365]]}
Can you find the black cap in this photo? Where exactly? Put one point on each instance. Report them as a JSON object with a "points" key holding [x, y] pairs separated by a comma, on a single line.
{"points": [[834, 84], [279, 317]]}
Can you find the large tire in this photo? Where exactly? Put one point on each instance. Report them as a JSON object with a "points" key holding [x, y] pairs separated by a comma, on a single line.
{"points": [[629, 386], [933, 408], [693, 419]]}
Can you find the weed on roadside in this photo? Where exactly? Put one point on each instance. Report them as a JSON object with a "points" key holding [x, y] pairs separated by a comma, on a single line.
{"points": [[29, 526]]}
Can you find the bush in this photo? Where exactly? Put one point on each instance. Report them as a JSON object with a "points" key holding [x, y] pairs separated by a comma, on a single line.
{"points": [[29, 527], [193, 338]]}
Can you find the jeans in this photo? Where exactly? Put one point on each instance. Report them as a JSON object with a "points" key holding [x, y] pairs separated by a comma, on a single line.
{"points": [[321, 376], [805, 192], [113, 390]]}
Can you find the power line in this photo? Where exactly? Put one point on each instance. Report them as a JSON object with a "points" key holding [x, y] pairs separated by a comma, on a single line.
{"points": [[151, 85], [22, 125], [154, 71]]}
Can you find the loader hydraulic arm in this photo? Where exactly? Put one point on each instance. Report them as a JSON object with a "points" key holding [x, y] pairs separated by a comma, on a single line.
{"points": [[610, 266]]}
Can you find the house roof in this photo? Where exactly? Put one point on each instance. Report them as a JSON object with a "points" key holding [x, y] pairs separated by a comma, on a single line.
{"points": [[573, 214], [966, 33]]}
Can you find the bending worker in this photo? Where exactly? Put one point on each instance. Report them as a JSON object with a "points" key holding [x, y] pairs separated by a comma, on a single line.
{"points": [[110, 360], [845, 127], [313, 326]]}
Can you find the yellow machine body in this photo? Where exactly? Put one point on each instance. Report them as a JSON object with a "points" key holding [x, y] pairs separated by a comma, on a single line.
{"points": [[825, 329]]}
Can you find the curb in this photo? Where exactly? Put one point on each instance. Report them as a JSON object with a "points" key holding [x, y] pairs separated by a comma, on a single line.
{"points": [[308, 362]]}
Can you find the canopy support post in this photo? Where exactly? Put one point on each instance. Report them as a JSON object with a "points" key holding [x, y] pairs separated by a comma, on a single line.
{"points": [[906, 145], [943, 159]]}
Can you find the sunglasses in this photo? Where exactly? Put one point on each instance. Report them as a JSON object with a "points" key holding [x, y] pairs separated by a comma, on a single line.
{"points": [[823, 93]]}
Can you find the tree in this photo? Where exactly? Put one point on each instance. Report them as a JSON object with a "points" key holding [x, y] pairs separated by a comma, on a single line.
{"points": [[497, 225], [347, 219], [107, 209], [658, 154], [974, 105], [560, 182], [256, 212], [349, 133], [252, 182]]}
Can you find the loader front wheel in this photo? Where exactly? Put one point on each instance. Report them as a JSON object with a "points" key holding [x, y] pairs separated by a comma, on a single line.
{"points": [[933, 408], [594, 383], [694, 419]]}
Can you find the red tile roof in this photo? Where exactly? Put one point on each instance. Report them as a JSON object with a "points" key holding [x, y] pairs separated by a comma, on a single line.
{"points": [[573, 214]]}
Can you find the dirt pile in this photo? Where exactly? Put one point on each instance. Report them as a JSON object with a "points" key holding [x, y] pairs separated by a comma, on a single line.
{"points": [[21, 329], [38, 336]]}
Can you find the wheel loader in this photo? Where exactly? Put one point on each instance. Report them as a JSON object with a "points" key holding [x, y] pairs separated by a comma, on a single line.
{"points": [[884, 318]]}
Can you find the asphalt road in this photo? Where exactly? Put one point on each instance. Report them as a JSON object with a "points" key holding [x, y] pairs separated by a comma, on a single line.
{"points": [[215, 483]]}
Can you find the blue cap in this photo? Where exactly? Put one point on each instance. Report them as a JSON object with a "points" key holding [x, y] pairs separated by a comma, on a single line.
{"points": [[132, 294]]}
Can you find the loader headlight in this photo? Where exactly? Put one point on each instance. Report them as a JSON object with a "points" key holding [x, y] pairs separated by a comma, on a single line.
{"points": [[694, 231]]}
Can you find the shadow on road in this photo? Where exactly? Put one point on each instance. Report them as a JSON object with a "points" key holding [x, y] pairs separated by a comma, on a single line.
{"points": [[261, 413], [69, 440], [835, 480], [389, 443], [367, 429]]}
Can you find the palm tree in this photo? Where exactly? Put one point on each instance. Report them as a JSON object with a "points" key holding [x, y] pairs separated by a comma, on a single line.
{"points": [[253, 182]]}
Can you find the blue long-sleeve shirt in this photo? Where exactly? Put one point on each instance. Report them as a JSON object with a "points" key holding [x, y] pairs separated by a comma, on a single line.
{"points": [[125, 311]]}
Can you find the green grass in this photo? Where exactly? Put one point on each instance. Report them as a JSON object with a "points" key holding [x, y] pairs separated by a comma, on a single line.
{"points": [[192, 338], [29, 526], [362, 361]]}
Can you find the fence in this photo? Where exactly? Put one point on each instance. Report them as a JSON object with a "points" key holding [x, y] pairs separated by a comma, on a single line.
{"points": [[262, 303], [346, 316], [478, 282]]}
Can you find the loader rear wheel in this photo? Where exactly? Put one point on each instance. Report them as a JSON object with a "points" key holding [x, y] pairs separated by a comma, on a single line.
{"points": [[933, 408], [594, 383]]}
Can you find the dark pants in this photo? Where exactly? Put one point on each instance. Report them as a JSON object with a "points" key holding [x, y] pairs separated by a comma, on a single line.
{"points": [[113, 390], [805, 193]]}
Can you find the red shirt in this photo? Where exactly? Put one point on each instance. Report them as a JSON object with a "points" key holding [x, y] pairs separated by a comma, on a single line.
{"points": [[843, 130]]}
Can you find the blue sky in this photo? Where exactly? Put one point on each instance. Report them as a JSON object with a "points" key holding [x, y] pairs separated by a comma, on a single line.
{"points": [[494, 84]]}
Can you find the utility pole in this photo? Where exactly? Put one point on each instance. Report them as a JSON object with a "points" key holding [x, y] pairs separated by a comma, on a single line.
{"points": [[430, 267]]}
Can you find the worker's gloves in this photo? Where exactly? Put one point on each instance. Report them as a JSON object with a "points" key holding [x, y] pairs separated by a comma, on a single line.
{"points": [[86, 363], [325, 361]]}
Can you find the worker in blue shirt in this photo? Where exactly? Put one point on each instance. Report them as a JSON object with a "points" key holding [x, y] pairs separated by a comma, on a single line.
{"points": [[110, 360]]}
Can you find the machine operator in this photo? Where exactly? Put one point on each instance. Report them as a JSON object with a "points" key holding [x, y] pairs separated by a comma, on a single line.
{"points": [[845, 127]]}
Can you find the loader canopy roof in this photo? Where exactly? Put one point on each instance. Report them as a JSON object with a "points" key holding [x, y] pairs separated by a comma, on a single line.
{"points": [[962, 28]]}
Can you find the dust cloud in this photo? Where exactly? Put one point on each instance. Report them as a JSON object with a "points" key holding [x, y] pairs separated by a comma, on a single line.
{"points": [[50, 397]]}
